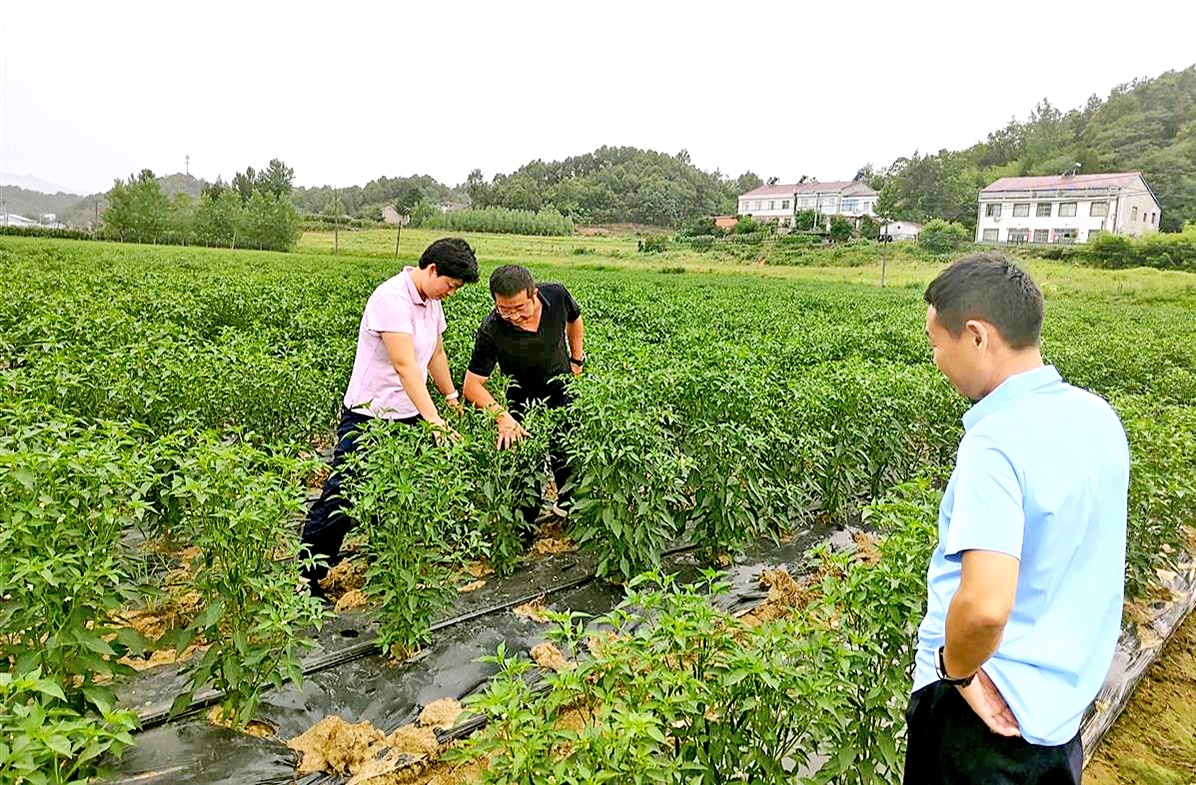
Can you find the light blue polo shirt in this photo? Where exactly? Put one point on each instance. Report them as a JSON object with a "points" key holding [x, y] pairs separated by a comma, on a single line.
{"points": [[1042, 474]]}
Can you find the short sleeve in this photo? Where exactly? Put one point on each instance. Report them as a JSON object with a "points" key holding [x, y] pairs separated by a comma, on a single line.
{"points": [[987, 512], [572, 309], [441, 324], [389, 312], [485, 353]]}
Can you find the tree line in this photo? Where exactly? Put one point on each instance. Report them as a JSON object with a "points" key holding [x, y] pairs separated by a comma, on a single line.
{"points": [[614, 185], [254, 210]]}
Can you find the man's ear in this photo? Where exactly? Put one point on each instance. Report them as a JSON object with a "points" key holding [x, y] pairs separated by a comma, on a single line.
{"points": [[977, 332]]}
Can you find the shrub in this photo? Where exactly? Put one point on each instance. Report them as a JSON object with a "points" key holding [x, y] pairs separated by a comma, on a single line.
{"points": [[700, 227], [943, 237], [841, 229], [749, 225], [653, 243]]}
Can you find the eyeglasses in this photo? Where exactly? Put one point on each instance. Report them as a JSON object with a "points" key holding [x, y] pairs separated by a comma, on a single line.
{"points": [[519, 310]]}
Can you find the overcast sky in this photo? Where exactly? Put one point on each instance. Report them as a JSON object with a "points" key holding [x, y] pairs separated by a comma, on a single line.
{"points": [[346, 92]]}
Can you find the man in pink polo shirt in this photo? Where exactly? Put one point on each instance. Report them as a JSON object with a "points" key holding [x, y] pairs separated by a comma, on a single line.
{"points": [[398, 344]]}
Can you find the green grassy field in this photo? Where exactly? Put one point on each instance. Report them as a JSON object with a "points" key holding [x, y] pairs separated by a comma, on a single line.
{"points": [[619, 253]]}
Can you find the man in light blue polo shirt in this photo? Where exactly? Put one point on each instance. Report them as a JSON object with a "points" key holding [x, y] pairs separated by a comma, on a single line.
{"points": [[1025, 585]]}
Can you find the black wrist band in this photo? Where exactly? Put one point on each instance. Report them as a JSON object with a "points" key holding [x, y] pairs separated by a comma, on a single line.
{"points": [[940, 667]]}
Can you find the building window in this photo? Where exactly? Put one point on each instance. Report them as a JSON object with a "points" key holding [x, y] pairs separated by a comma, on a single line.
{"points": [[1067, 209], [784, 222], [1099, 209], [784, 204], [1043, 210], [992, 211], [772, 205], [1133, 213], [1021, 210], [990, 235], [1093, 233], [851, 205], [757, 205], [1042, 235], [1066, 236], [1018, 235]]}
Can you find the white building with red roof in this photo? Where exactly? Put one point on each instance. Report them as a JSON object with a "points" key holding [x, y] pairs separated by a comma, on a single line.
{"points": [[850, 199], [1069, 208]]}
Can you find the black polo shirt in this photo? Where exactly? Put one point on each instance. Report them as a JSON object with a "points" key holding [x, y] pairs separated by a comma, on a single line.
{"points": [[531, 359]]}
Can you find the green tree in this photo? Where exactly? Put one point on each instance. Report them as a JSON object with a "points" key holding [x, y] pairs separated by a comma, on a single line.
{"points": [[219, 220], [409, 194], [137, 210], [476, 188], [804, 220], [181, 219], [748, 181], [270, 222], [276, 179], [244, 182]]}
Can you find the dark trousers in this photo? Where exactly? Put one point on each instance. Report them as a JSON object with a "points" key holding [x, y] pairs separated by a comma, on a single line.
{"points": [[950, 745], [327, 522], [555, 398]]}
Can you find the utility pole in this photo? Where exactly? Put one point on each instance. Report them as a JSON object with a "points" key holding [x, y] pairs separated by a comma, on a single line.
{"points": [[885, 239], [187, 164], [336, 222]]}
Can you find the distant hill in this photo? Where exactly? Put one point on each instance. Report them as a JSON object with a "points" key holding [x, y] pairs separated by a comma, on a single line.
{"points": [[615, 185], [81, 212], [1148, 125], [34, 204], [173, 184]]}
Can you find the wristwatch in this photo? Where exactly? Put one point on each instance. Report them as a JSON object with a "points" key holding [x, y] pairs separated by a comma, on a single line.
{"points": [[577, 362], [940, 670]]}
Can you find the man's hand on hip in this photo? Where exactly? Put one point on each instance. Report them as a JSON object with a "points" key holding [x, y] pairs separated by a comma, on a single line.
{"points": [[990, 706]]}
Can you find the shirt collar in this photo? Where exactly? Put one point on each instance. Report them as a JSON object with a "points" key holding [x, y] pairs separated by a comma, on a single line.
{"points": [[1014, 387], [412, 292]]}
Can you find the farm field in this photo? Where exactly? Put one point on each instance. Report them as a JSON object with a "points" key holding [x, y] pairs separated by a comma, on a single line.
{"points": [[908, 268], [164, 409]]}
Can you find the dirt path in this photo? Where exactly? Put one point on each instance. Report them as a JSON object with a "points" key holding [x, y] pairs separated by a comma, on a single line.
{"points": [[1154, 740]]}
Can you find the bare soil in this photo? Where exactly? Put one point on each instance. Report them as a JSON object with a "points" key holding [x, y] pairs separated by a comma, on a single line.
{"points": [[1154, 740]]}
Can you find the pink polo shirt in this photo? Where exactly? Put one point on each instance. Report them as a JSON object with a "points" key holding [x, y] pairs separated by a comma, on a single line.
{"points": [[394, 307]]}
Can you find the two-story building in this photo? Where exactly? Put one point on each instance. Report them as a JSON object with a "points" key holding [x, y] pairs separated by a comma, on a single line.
{"points": [[1070, 208], [849, 199]]}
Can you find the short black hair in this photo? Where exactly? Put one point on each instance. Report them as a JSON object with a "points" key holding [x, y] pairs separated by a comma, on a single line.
{"points": [[511, 279], [989, 287], [453, 259]]}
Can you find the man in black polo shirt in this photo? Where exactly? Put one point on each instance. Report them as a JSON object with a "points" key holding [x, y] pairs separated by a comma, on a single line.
{"points": [[535, 335]]}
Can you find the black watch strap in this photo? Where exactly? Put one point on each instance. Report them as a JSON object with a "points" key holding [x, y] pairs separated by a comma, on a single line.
{"points": [[577, 362], [940, 667]]}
